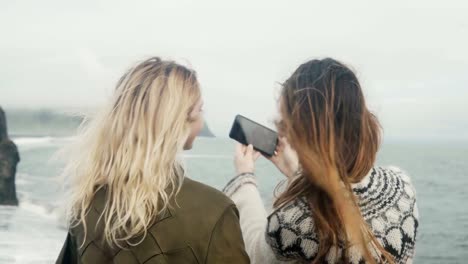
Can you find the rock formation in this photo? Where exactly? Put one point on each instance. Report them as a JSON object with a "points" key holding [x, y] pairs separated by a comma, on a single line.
{"points": [[9, 158]]}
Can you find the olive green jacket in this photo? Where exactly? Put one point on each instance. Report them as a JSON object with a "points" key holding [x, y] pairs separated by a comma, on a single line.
{"points": [[202, 228]]}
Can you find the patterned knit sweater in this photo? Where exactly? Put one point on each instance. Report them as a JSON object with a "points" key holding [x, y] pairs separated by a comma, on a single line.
{"points": [[386, 199]]}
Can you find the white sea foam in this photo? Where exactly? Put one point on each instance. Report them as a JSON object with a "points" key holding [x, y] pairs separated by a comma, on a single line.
{"points": [[28, 141], [25, 141], [41, 210]]}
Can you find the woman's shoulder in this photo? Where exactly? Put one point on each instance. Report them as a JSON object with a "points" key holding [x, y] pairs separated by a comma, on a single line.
{"points": [[380, 175], [194, 189], [394, 171], [196, 196], [384, 189], [387, 200], [386, 185]]}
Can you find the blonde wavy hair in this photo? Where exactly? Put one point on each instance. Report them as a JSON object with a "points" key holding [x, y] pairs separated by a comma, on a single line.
{"points": [[131, 148]]}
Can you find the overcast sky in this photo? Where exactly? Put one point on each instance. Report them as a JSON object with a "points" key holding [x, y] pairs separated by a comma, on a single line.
{"points": [[412, 58]]}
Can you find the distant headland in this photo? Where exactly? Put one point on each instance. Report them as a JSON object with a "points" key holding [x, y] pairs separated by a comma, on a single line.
{"points": [[53, 123]]}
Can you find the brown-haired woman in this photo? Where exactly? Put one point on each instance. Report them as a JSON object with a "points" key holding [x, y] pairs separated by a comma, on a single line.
{"points": [[337, 206]]}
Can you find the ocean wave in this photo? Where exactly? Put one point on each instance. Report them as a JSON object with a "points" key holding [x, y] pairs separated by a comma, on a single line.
{"points": [[39, 141], [20, 180], [23, 141], [23, 178], [44, 211]]}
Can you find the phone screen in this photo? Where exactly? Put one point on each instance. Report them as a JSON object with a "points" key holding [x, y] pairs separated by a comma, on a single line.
{"points": [[248, 132]]}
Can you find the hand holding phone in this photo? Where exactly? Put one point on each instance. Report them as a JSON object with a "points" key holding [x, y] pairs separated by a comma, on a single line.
{"points": [[285, 158], [244, 159]]}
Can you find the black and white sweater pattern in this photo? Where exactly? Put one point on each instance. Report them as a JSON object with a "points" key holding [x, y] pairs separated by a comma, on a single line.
{"points": [[387, 202]]}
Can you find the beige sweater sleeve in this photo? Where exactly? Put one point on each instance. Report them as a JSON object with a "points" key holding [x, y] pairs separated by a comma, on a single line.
{"points": [[253, 222]]}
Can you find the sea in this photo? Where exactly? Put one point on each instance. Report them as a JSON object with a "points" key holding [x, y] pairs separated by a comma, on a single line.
{"points": [[34, 231]]}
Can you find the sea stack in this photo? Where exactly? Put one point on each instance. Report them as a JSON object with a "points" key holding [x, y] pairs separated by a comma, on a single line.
{"points": [[9, 158]]}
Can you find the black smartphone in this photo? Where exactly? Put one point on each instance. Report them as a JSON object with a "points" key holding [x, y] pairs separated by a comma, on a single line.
{"points": [[248, 132]]}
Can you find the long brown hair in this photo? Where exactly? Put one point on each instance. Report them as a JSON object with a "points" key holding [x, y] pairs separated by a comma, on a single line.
{"points": [[326, 120]]}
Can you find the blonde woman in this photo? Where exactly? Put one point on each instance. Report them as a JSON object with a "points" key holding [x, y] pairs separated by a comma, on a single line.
{"points": [[131, 201]]}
